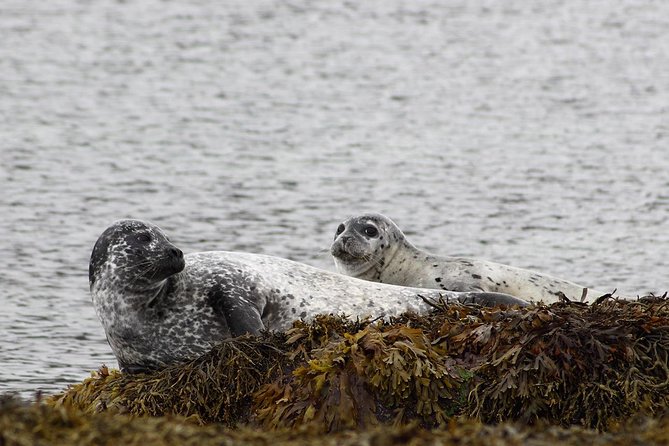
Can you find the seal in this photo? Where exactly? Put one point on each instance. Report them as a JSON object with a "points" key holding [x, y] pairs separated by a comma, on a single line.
{"points": [[160, 307], [372, 247]]}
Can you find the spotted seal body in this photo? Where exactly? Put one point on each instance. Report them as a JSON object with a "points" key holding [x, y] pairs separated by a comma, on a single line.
{"points": [[152, 313], [160, 307], [372, 247]]}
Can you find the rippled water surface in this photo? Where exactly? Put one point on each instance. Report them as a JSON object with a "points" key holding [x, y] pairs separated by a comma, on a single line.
{"points": [[527, 133]]}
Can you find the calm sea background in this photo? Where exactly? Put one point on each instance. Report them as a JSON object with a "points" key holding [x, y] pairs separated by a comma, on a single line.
{"points": [[529, 133]]}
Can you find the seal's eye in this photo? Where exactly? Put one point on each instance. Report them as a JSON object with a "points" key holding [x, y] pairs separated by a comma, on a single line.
{"points": [[144, 238], [371, 231], [340, 229]]}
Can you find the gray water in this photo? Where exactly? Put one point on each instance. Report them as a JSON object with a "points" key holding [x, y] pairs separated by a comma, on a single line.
{"points": [[530, 133]]}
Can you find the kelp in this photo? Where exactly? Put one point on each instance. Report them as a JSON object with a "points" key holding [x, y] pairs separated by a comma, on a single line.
{"points": [[331, 372], [365, 378], [39, 424], [568, 364], [563, 364], [216, 387]]}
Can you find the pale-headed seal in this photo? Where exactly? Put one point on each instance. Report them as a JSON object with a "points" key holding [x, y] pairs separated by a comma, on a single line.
{"points": [[160, 307], [372, 247]]}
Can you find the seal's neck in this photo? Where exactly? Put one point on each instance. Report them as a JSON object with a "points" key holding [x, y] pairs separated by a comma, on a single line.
{"points": [[145, 297], [377, 269], [116, 303], [400, 264]]}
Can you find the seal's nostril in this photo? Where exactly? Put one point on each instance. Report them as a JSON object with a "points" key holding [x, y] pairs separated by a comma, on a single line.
{"points": [[176, 252]]}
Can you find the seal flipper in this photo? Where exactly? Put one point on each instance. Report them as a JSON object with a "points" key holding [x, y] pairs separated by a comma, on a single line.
{"points": [[491, 299], [134, 369], [243, 318], [240, 315]]}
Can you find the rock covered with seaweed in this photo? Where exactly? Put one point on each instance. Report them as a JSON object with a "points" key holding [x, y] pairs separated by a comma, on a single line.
{"points": [[40, 424], [565, 364]]}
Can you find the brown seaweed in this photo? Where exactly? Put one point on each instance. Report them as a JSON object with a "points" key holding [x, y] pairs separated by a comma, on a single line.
{"points": [[39, 424], [564, 364], [216, 387], [365, 378]]}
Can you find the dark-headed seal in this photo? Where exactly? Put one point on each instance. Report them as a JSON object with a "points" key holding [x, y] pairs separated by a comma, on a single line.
{"points": [[372, 247], [160, 307]]}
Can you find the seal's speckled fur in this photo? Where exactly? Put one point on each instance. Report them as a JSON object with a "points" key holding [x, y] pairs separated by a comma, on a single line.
{"points": [[159, 307], [372, 247]]}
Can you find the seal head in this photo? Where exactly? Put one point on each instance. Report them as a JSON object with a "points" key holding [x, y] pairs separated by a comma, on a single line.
{"points": [[363, 245], [134, 255]]}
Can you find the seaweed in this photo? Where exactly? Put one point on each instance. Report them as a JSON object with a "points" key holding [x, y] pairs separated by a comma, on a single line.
{"points": [[39, 424], [565, 364], [365, 378], [217, 386]]}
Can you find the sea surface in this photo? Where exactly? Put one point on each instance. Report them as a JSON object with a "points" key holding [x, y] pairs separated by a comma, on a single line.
{"points": [[529, 133]]}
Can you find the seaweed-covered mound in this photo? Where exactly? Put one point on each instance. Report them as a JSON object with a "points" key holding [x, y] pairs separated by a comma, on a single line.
{"points": [[38, 424], [216, 387], [376, 374], [565, 364]]}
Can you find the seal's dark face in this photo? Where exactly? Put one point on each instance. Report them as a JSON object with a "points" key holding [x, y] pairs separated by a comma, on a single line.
{"points": [[362, 242], [135, 255]]}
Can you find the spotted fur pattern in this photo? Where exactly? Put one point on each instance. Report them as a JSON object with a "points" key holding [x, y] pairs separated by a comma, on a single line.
{"points": [[158, 307], [372, 247]]}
